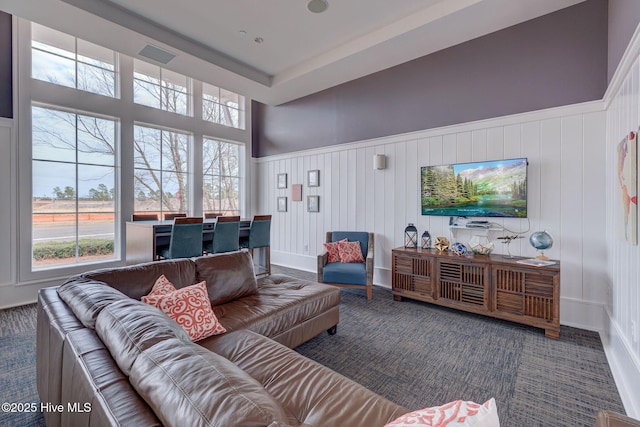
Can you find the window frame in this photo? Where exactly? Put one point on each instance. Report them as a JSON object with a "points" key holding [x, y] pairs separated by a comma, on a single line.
{"points": [[239, 177], [77, 164], [32, 90]]}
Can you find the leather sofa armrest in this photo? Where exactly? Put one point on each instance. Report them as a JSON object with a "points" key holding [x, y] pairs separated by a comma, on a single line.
{"points": [[614, 419], [322, 261]]}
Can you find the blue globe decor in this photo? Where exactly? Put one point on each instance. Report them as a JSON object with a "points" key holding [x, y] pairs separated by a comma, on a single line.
{"points": [[541, 240], [459, 249]]}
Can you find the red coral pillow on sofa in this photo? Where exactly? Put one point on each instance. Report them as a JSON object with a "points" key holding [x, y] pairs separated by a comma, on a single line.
{"points": [[333, 249], [189, 307], [161, 287], [458, 413], [350, 252]]}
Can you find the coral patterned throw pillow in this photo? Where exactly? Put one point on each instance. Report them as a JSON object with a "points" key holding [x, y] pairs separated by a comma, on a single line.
{"points": [[333, 250], [161, 287], [350, 252], [458, 413], [189, 307]]}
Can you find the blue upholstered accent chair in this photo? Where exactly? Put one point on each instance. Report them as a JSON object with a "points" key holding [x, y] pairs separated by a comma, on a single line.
{"points": [[186, 238], [260, 238], [225, 235], [352, 274]]}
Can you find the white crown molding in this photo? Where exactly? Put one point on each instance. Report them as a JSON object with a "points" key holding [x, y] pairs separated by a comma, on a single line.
{"points": [[629, 57]]}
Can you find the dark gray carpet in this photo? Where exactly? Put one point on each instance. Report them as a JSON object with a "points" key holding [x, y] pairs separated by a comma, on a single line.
{"points": [[420, 355], [414, 354], [18, 365]]}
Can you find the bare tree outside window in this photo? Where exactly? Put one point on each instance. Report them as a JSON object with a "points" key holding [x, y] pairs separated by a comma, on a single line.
{"points": [[65, 60], [75, 155], [159, 88], [222, 106], [221, 176], [73, 187], [161, 175]]}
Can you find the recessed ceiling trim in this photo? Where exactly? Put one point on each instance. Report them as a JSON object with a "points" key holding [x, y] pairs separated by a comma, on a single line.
{"points": [[139, 24]]}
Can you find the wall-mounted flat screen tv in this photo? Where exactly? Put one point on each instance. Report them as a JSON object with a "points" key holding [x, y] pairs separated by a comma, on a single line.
{"points": [[496, 188]]}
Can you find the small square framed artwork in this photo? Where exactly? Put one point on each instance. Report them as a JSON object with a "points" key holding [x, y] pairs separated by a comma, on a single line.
{"points": [[313, 178], [282, 180], [313, 203], [282, 204]]}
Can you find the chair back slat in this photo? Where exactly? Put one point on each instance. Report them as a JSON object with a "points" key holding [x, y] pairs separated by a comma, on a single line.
{"points": [[187, 220], [144, 217], [172, 215]]}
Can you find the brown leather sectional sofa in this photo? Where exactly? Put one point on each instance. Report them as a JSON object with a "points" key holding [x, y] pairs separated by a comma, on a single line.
{"points": [[106, 359]]}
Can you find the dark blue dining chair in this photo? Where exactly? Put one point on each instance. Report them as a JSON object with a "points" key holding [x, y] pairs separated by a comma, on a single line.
{"points": [[260, 238], [226, 234], [186, 238]]}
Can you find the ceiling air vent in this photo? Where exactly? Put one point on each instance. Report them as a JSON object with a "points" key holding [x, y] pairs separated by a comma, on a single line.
{"points": [[157, 54]]}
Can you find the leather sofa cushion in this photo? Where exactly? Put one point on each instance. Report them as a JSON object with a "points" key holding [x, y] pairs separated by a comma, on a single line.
{"points": [[352, 273], [187, 385], [280, 303], [229, 276], [137, 280], [311, 393], [129, 327], [87, 298]]}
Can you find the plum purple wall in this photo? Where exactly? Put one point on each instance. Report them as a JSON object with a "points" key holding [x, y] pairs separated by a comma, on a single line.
{"points": [[6, 86], [557, 59]]}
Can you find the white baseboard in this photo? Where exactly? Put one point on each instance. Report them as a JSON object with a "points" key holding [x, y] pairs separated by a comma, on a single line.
{"points": [[301, 262], [624, 365], [581, 314]]}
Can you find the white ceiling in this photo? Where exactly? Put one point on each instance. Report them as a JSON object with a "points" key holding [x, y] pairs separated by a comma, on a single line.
{"points": [[301, 52]]}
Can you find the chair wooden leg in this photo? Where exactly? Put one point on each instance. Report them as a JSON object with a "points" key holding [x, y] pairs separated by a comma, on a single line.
{"points": [[369, 291], [268, 259]]}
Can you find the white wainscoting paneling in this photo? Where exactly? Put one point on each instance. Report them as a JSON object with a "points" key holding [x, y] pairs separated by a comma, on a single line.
{"points": [[621, 334], [565, 148]]}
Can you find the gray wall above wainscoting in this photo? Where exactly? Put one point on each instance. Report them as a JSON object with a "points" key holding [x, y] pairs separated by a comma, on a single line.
{"points": [[557, 59]]}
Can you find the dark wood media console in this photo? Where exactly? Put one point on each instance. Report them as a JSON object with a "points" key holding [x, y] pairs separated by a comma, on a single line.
{"points": [[485, 284]]}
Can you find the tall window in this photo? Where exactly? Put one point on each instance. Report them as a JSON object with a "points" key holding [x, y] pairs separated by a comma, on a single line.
{"points": [[161, 172], [74, 99], [221, 176], [74, 187], [159, 88], [222, 106], [65, 60]]}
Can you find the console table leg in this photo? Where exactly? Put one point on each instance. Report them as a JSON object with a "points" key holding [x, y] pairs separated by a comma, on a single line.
{"points": [[397, 298], [552, 333]]}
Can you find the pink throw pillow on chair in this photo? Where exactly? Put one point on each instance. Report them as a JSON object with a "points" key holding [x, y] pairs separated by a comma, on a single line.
{"points": [[350, 252], [333, 249]]}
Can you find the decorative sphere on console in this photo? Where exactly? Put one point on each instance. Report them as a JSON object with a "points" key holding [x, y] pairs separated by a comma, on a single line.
{"points": [[541, 240]]}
